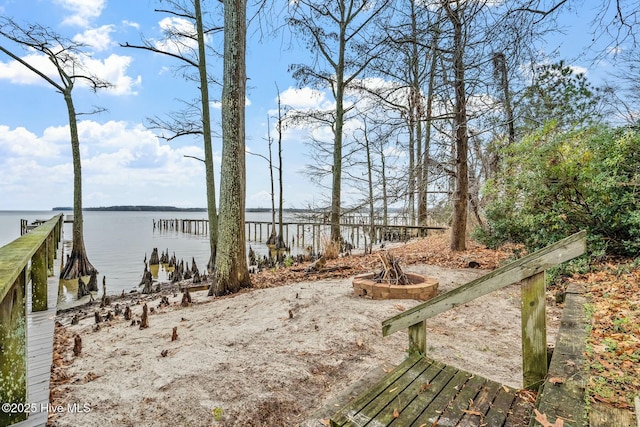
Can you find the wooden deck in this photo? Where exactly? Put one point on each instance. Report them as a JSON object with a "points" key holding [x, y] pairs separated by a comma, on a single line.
{"points": [[562, 394], [40, 326], [424, 392]]}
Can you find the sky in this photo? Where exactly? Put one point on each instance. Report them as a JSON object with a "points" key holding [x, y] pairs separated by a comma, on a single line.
{"points": [[123, 161]]}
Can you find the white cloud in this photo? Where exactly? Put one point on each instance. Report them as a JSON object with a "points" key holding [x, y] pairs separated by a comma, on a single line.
{"points": [[113, 69], [305, 98], [22, 143], [172, 28], [117, 158], [19, 74], [131, 24], [97, 38], [82, 11], [577, 69]]}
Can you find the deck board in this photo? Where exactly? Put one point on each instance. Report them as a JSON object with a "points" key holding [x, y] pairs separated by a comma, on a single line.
{"points": [[564, 396], [40, 327], [428, 392]]}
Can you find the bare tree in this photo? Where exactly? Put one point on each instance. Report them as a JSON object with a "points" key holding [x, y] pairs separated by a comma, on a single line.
{"points": [[337, 32], [456, 14], [66, 57], [231, 271], [194, 119]]}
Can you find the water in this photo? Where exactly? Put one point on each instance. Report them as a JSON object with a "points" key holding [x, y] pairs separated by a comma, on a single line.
{"points": [[117, 242]]}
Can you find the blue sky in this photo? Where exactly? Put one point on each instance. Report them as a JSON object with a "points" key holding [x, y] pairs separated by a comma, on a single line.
{"points": [[123, 161]]}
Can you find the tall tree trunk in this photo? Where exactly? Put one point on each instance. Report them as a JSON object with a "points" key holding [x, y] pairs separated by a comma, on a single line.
{"points": [[416, 113], [337, 166], [424, 179], [337, 141], [461, 195], [385, 197], [212, 214], [78, 264], [500, 71], [231, 272], [412, 171], [372, 228], [273, 237], [280, 196]]}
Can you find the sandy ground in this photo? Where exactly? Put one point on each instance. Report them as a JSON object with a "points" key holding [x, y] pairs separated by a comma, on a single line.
{"points": [[269, 357]]}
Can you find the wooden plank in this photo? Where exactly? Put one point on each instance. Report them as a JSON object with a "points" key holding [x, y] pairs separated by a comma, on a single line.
{"points": [[391, 395], [500, 407], [562, 395], [534, 331], [432, 412], [481, 405], [404, 399], [40, 352], [527, 266], [426, 396], [351, 410], [455, 411], [16, 255], [520, 413]]}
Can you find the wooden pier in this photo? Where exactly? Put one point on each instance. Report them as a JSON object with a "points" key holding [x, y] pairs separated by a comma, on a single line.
{"points": [[28, 295], [307, 235]]}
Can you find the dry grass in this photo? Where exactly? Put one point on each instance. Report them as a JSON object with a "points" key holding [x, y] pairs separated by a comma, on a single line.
{"points": [[330, 248]]}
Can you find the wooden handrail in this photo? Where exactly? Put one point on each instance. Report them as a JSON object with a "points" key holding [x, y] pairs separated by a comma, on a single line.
{"points": [[530, 270], [28, 259], [15, 256], [563, 250]]}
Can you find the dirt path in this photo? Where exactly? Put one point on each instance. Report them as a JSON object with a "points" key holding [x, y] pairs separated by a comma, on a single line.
{"points": [[270, 357]]}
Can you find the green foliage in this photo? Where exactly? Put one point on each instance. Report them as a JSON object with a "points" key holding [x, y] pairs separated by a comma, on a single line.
{"points": [[289, 261], [559, 93], [217, 413], [555, 184]]}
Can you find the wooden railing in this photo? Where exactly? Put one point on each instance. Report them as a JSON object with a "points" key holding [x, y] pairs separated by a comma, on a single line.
{"points": [[28, 259], [530, 270]]}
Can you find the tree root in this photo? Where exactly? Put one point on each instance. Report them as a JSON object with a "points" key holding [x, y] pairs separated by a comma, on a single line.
{"points": [[78, 265]]}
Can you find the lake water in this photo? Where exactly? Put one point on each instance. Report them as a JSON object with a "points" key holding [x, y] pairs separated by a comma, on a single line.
{"points": [[117, 243]]}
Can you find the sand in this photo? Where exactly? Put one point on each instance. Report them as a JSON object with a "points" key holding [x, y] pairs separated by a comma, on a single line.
{"points": [[268, 357]]}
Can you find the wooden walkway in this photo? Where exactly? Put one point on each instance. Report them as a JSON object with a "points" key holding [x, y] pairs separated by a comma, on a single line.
{"points": [[40, 326], [424, 392]]}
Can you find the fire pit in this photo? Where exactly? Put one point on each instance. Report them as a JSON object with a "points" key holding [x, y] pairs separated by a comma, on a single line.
{"points": [[393, 283]]}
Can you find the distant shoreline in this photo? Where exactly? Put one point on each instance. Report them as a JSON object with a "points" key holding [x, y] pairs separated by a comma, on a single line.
{"points": [[144, 208]]}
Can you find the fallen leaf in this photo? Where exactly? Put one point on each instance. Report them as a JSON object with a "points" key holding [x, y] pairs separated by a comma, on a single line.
{"points": [[424, 387], [396, 414], [556, 380], [542, 419], [506, 389], [470, 412], [325, 422]]}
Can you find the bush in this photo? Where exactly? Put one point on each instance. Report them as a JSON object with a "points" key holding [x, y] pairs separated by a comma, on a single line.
{"points": [[555, 184]]}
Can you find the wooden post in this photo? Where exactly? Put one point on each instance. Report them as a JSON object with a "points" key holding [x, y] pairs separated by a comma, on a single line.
{"points": [[39, 279], [534, 331], [13, 340], [51, 253], [418, 338]]}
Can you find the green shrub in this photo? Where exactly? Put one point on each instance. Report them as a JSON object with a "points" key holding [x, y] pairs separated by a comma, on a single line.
{"points": [[555, 184]]}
